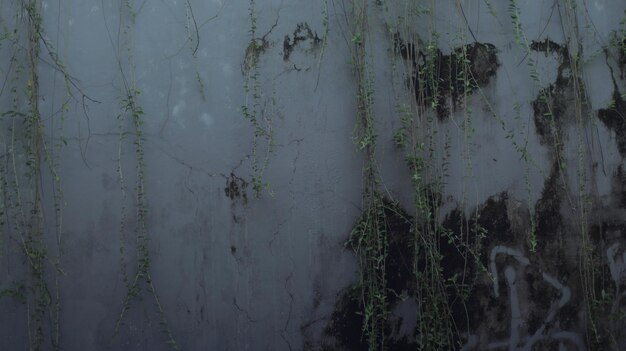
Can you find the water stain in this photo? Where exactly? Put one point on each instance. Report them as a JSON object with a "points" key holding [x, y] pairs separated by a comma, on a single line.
{"points": [[236, 188], [555, 106], [614, 118], [345, 328], [437, 78], [303, 38]]}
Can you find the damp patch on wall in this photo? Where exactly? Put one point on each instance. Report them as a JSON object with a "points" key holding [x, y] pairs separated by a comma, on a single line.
{"points": [[500, 294], [554, 107], [256, 47], [614, 118], [236, 188], [436, 78], [303, 39], [345, 328]]}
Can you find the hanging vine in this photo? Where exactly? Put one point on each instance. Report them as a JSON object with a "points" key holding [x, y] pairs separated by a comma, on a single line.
{"points": [[369, 237], [258, 109], [417, 135], [31, 159], [132, 113]]}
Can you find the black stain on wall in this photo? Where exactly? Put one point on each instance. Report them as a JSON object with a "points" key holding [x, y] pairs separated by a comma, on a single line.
{"points": [[548, 46], [621, 46], [437, 77], [475, 309], [618, 183], [469, 299], [303, 38], [608, 303], [553, 107], [548, 207], [614, 118], [236, 188], [345, 329], [608, 234], [491, 220], [549, 109]]}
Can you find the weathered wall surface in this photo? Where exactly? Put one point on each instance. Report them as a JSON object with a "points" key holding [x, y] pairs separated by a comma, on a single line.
{"points": [[319, 175]]}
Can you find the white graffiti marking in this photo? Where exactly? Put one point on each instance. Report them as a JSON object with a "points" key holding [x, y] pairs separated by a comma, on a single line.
{"points": [[492, 264], [516, 341]]}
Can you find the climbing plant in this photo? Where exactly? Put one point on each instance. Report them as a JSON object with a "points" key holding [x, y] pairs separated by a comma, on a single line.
{"points": [[435, 102], [368, 238], [132, 115], [29, 169], [259, 109]]}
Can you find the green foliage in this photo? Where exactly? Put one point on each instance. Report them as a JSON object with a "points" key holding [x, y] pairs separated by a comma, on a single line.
{"points": [[369, 241], [369, 237], [258, 109]]}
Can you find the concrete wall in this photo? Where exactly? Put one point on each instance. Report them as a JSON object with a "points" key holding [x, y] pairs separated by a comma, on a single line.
{"points": [[235, 271]]}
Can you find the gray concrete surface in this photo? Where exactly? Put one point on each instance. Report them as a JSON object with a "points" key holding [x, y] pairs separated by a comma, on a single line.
{"points": [[246, 273]]}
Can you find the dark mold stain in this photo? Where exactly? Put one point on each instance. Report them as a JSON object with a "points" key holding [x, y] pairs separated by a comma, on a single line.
{"points": [[470, 298], [622, 57], [346, 323], [445, 70], [549, 108], [554, 105], [548, 46], [618, 41], [548, 208], [475, 306], [540, 297], [614, 118], [302, 36], [568, 316], [236, 188], [317, 299], [494, 217], [608, 324], [490, 224], [399, 262], [607, 233], [619, 187]]}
